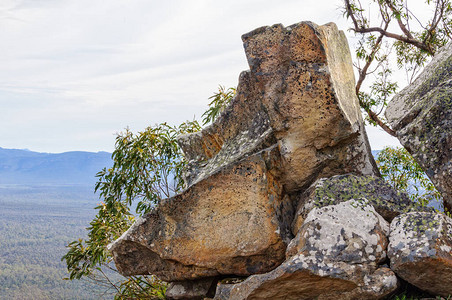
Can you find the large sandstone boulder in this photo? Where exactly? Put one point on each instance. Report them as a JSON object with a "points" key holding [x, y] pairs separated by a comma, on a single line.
{"points": [[421, 114], [299, 94], [335, 256], [327, 191], [420, 250], [295, 119]]}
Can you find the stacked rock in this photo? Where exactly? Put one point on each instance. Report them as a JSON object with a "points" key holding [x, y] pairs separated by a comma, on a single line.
{"points": [[283, 197]]}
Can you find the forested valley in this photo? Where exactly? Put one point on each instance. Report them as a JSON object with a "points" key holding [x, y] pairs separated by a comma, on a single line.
{"points": [[38, 219], [36, 222]]}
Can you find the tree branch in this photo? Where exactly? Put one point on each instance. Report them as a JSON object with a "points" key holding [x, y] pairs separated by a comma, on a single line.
{"points": [[350, 13], [399, 20], [436, 19], [398, 37], [374, 117], [109, 281], [407, 38], [369, 60], [363, 72]]}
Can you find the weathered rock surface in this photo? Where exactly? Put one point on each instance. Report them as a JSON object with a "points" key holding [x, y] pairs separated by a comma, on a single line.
{"points": [[351, 231], [295, 119], [335, 256], [327, 191], [421, 114], [299, 93], [191, 289], [420, 250], [232, 222]]}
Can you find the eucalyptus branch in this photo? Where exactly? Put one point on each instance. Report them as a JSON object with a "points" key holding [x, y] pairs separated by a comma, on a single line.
{"points": [[363, 72], [362, 76], [108, 279], [398, 37], [412, 47], [350, 13], [399, 20], [407, 38]]}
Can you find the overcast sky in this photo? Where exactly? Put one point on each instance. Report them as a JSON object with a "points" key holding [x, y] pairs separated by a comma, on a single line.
{"points": [[75, 72]]}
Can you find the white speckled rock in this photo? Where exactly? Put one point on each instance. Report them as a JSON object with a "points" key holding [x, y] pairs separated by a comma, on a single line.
{"points": [[421, 115], [350, 231], [335, 257], [420, 250]]}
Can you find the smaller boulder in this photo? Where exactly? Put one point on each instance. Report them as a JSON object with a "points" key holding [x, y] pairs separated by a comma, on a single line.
{"points": [[327, 191], [191, 289], [350, 231], [420, 250], [305, 278]]}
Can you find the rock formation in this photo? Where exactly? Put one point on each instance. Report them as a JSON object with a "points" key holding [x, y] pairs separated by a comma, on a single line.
{"points": [[192, 289], [421, 114], [283, 194], [298, 94], [295, 118]]}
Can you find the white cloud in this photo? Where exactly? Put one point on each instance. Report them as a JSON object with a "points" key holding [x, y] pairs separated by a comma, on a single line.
{"points": [[72, 73]]}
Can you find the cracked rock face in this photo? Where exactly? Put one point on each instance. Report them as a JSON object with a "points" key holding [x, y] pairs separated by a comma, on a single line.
{"points": [[295, 118], [299, 94], [421, 115], [327, 191], [420, 250], [334, 256]]}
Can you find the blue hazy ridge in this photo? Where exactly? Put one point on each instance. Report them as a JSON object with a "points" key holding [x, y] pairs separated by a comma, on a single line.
{"points": [[26, 167]]}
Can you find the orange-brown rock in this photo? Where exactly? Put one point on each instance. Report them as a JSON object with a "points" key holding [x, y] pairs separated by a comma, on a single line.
{"points": [[299, 93], [232, 222]]}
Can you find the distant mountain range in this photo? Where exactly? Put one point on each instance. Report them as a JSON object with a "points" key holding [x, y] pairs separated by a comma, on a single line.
{"points": [[28, 167], [75, 167]]}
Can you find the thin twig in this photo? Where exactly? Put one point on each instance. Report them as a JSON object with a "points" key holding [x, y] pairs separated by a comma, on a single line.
{"points": [[399, 20]]}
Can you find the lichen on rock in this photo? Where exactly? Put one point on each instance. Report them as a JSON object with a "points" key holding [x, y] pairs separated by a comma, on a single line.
{"points": [[420, 250], [351, 231], [421, 114], [298, 94], [374, 190], [336, 255]]}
